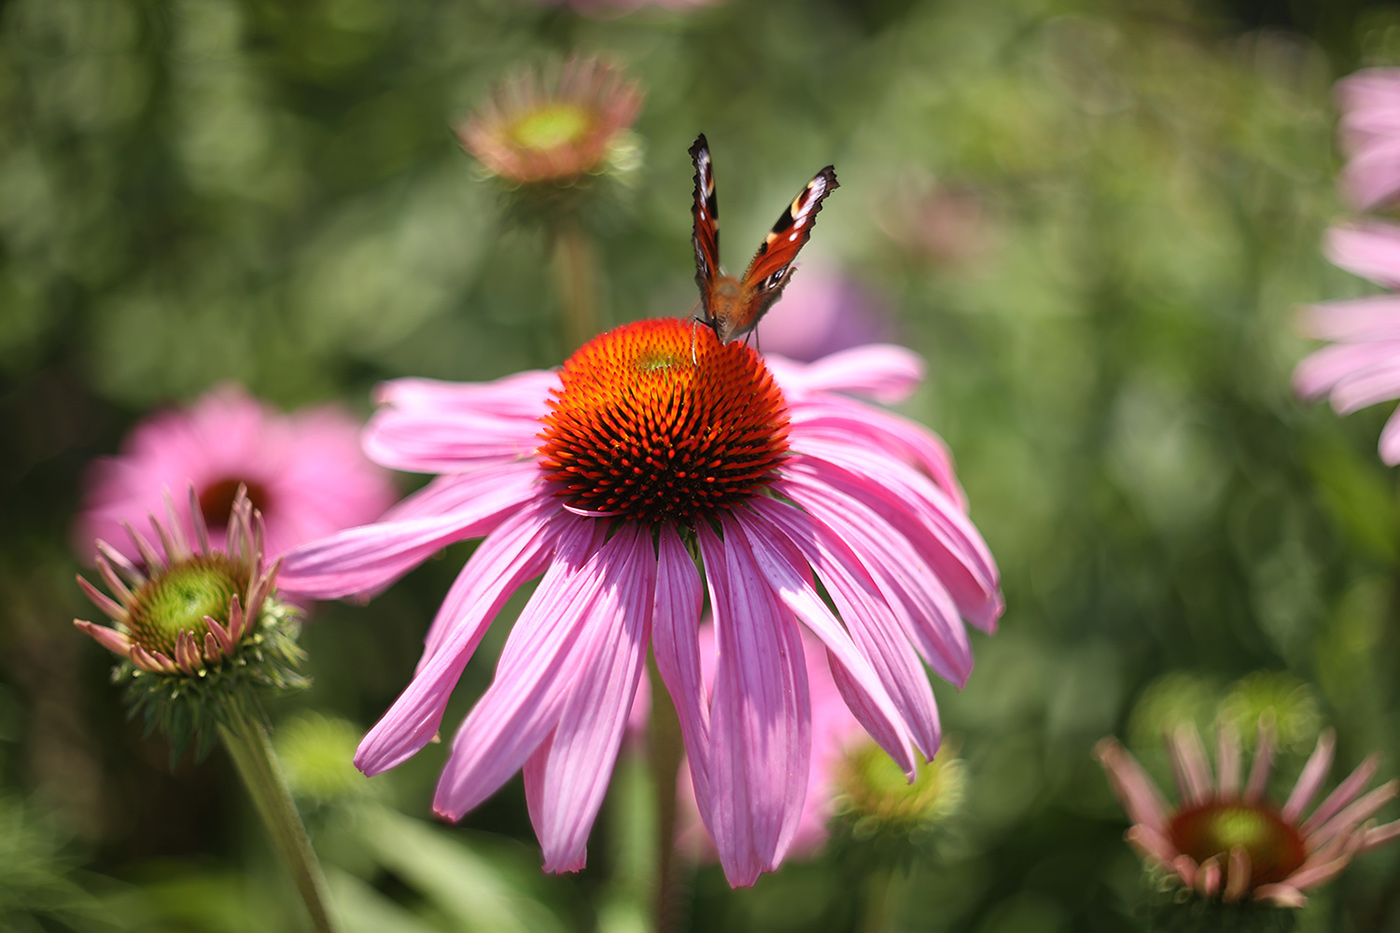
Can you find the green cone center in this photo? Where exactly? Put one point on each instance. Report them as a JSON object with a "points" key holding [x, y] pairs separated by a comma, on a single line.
{"points": [[551, 126], [177, 600], [1275, 848]]}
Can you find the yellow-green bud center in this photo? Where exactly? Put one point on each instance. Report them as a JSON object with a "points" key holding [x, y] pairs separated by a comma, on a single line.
{"points": [[177, 600]]}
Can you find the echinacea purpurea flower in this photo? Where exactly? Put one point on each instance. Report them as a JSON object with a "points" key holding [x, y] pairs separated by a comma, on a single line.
{"points": [[1227, 841], [653, 445]]}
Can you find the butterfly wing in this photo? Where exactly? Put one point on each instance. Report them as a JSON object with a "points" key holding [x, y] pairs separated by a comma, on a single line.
{"points": [[705, 236], [771, 268]]}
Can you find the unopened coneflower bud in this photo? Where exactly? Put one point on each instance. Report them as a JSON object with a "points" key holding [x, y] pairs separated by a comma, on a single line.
{"points": [[876, 797], [194, 625]]}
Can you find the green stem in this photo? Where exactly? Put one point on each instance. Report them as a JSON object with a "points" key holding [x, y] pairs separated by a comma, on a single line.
{"points": [[666, 749], [248, 745], [576, 279]]}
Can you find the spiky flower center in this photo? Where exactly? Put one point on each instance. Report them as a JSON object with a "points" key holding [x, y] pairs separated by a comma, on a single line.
{"points": [[551, 126], [1214, 828], [659, 421], [177, 599], [216, 499]]}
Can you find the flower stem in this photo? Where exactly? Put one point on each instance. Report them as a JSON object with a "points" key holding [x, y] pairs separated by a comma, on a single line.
{"points": [[248, 745], [665, 752], [576, 280]]}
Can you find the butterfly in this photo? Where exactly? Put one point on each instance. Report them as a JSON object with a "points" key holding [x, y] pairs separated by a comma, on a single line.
{"points": [[732, 307]]}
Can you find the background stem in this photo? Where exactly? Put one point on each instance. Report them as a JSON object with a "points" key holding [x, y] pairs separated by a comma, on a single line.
{"points": [[248, 745], [576, 281], [665, 750]]}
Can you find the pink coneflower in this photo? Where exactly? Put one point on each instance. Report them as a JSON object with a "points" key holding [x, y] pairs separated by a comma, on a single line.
{"points": [[1362, 367], [1234, 845], [1369, 132], [304, 472], [653, 443], [556, 127]]}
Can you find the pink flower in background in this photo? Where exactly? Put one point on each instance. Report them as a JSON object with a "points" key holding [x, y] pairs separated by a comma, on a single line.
{"points": [[304, 472], [653, 443], [1369, 132], [820, 314], [1362, 366], [1235, 844]]}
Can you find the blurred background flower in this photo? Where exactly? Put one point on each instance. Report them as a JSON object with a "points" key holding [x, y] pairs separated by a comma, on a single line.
{"points": [[303, 471]]}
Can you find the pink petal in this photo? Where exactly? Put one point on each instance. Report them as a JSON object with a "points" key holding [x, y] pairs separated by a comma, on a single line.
{"points": [[1371, 365], [1372, 176], [786, 571], [676, 645], [1134, 789], [850, 422], [567, 778], [1314, 773], [1237, 875], [1280, 895], [874, 630], [426, 440], [922, 606], [1151, 844], [1353, 320], [760, 729], [540, 667], [1378, 836], [1263, 762], [524, 394], [416, 715], [370, 556], [884, 372], [1389, 445], [1369, 249], [1190, 765], [1344, 793], [1227, 761], [519, 549], [925, 515], [1355, 814]]}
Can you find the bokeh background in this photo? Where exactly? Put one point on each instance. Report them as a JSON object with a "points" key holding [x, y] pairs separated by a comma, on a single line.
{"points": [[1096, 220]]}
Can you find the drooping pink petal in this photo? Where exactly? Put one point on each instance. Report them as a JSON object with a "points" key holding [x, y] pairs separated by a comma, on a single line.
{"points": [[1389, 445], [923, 514], [1237, 875], [921, 606], [872, 625], [367, 557], [516, 551], [676, 646], [1151, 844], [786, 571], [1280, 895], [760, 730], [414, 718], [539, 667], [567, 778], [845, 421]]}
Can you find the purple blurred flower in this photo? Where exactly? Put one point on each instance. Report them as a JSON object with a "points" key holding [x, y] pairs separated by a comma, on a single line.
{"points": [[304, 472], [1362, 366], [1369, 133], [820, 314], [1233, 844], [653, 440]]}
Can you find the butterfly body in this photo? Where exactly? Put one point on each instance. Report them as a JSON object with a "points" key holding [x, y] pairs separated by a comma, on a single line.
{"points": [[733, 306]]}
